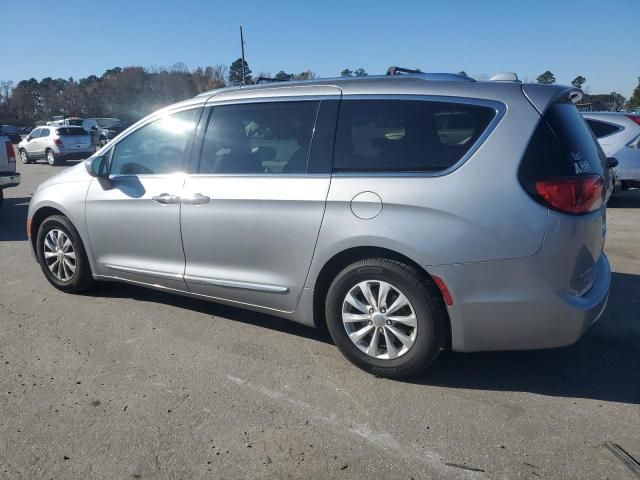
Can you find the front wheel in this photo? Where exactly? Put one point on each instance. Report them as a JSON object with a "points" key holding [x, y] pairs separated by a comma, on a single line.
{"points": [[62, 256], [386, 317]]}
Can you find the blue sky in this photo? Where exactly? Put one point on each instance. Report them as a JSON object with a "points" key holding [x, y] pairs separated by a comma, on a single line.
{"points": [[594, 38]]}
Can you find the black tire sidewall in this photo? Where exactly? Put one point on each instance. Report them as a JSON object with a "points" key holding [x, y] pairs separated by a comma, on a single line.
{"points": [[46, 157], [82, 276], [426, 345]]}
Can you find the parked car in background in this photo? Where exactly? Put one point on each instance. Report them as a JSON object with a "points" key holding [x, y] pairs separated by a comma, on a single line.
{"points": [[56, 144], [351, 203], [619, 136], [8, 175], [103, 129], [62, 121], [11, 132]]}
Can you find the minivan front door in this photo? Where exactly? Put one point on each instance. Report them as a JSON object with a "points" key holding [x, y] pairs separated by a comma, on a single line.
{"points": [[134, 220], [252, 212]]}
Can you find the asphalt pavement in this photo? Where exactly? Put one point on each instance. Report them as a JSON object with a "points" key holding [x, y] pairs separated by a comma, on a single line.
{"points": [[125, 382]]}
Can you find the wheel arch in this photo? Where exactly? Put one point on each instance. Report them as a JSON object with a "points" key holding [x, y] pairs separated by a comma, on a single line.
{"points": [[38, 217], [340, 260]]}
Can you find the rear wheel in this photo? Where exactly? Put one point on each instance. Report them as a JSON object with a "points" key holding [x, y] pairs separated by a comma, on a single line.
{"points": [[24, 156], [51, 158], [386, 317], [62, 256]]}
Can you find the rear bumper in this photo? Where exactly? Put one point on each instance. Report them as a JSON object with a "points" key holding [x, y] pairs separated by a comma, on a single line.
{"points": [[511, 305], [75, 155], [9, 179]]}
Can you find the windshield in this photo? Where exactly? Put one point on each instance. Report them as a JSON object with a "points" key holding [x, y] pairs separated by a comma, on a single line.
{"points": [[75, 122], [108, 122]]}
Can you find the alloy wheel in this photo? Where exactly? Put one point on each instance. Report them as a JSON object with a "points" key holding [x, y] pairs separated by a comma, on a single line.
{"points": [[379, 319], [59, 255]]}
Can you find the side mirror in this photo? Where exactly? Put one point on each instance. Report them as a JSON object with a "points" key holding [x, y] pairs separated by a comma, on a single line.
{"points": [[612, 162], [98, 166]]}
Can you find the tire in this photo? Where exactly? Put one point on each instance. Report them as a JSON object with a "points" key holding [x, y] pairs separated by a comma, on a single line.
{"points": [[424, 301], [51, 158], [24, 156], [81, 279]]}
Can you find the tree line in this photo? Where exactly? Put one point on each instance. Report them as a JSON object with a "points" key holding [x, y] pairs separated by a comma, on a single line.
{"points": [[133, 92], [612, 101]]}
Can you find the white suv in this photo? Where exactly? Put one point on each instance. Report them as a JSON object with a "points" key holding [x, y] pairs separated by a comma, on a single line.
{"points": [[56, 144]]}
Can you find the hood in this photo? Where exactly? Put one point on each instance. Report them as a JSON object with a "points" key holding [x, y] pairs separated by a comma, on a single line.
{"points": [[77, 173]]}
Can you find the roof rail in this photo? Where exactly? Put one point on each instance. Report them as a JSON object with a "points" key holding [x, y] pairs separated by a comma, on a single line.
{"points": [[396, 70], [269, 80], [434, 77]]}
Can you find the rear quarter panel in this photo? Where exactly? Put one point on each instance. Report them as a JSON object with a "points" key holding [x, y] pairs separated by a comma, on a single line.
{"points": [[477, 213]]}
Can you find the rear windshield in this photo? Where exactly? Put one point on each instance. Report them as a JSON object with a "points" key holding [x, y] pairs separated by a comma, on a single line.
{"points": [[563, 145], [77, 122], [71, 131]]}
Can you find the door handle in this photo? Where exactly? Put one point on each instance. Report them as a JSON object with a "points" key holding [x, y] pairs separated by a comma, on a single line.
{"points": [[166, 199], [196, 199]]}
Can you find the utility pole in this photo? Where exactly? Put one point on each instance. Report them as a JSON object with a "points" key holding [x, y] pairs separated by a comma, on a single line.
{"points": [[242, 47]]}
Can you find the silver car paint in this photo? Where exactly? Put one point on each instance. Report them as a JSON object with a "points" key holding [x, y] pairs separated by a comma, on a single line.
{"points": [[506, 260], [623, 145]]}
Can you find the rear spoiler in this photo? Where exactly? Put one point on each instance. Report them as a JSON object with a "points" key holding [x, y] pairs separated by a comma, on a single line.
{"points": [[541, 96]]}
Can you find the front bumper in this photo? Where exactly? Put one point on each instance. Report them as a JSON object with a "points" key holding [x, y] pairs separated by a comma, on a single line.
{"points": [[9, 179], [509, 305]]}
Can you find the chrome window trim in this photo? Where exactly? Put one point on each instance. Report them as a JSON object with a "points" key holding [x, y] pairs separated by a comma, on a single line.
{"points": [[499, 107]]}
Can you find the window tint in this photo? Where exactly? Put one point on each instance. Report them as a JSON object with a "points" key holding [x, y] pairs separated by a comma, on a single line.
{"points": [[562, 145], [259, 138], [63, 132], [158, 147], [602, 129], [44, 132], [406, 135], [35, 133]]}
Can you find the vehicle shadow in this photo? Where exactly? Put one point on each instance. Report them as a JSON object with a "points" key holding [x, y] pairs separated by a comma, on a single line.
{"points": [[122, 290], [603, 365], [13, 219], [626, 199]]}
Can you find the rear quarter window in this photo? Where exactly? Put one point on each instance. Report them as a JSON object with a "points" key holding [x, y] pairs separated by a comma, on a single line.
{"points": [[602, 129], [406, 135]]}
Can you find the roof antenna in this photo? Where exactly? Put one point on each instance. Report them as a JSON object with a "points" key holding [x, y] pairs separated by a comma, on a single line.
{"points": [[242, 47]]}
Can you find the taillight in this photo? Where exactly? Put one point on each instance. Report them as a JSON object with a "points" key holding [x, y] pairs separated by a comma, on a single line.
{"points": [[58, 142], [11, 153], [572, 195], [634, 118]]}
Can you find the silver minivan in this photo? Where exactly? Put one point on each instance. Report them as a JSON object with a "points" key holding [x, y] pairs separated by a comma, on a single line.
{"points": [[407, 213]]}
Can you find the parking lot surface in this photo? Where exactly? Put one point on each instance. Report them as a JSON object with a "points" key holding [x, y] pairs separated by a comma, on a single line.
{"points": [[125, 382]]}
